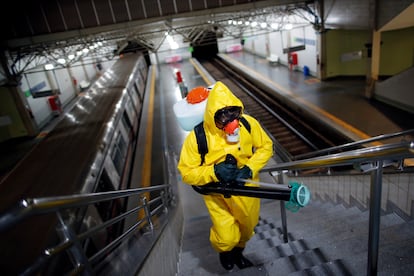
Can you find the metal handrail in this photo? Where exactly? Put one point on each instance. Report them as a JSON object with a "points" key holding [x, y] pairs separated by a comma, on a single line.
{"points": [[37, 206], [375, 155], [71, 241], [370, 154], [354, 144]]}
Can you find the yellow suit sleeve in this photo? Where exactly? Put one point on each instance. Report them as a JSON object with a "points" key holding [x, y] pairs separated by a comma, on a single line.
{"points": [[262, 144], [189, 165]]}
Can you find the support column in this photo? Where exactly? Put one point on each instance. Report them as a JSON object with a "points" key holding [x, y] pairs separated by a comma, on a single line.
{"points": [[21, 104], [372, 57], [268, 51], [73, 80], [374, 65], [84, 70], [321, 43]]}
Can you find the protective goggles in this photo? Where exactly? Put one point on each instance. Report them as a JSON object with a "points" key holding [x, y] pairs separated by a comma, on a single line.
{"points": [[227, 118]]}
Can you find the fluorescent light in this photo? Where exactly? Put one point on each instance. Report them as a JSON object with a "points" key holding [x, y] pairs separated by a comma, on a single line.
{"points": [[61, 61], [173, 44], [49, 66], [71, 56]]}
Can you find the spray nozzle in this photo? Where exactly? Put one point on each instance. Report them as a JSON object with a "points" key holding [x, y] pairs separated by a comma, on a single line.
{"points": [[299, 197]]}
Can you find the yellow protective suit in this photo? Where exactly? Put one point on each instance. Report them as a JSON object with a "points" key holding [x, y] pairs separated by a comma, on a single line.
{"points": [[233, 218]]}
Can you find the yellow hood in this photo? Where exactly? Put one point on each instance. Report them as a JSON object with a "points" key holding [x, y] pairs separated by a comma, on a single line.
{"points": [[220, 96]]}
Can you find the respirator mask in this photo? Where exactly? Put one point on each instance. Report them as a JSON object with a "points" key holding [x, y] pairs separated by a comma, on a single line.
{"points": [[227, 119], [232, 130]]}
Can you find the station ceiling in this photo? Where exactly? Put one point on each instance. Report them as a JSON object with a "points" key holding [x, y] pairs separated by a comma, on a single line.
{"points": [[41, 26], [33, 28]]}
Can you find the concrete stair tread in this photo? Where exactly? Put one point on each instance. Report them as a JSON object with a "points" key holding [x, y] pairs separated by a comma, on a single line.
{"points": [[324, 239]]}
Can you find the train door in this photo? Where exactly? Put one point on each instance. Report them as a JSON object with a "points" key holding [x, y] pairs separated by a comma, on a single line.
{"points": [[109, 209], [97, 214], [119, 152]]}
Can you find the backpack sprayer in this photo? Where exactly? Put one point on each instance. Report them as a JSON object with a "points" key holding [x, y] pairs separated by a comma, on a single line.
{"points": [[295, 194]]}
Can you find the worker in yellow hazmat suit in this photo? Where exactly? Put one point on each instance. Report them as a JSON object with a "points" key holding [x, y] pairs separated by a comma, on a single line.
{"points": [[233, 218]]}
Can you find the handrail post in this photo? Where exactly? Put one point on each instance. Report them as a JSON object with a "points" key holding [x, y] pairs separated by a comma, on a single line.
{"points": [[284, 221], [283, 211], [374, 218], [76, 252], [164, 200], [147, 212]]}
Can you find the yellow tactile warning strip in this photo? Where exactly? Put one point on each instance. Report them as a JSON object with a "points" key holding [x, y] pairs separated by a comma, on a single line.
{"points": [[312, 81], [146, 168], [202, 74], [42, 134]]}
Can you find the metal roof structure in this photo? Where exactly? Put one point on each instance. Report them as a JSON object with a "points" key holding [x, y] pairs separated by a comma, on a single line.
{"points": [[39, 30]]}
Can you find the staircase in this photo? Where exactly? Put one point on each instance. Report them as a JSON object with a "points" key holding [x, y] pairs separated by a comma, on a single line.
{"points": [[334, 233], [324, 239]]}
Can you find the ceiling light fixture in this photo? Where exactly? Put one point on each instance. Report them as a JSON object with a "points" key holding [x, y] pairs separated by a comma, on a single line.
{"points": [[49, 66]]}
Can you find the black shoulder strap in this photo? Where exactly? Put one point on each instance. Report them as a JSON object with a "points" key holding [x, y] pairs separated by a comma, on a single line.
{"points": [[201, 141], [245, 123]]}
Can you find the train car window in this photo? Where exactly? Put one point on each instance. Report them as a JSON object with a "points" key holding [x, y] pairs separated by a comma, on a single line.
{"points": [[141, 86], [137, 91], [143, 70], [130, 111], [119, 153], [133, 95], [126, 121]]}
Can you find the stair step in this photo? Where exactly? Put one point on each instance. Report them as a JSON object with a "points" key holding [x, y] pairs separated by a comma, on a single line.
{"points": [[335, 267], [324, 239], [202, 259], [257, 270], [297, 262], [264, 250]]}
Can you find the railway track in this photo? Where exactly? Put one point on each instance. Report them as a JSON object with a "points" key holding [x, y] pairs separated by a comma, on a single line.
{"points": [[292, 133]]}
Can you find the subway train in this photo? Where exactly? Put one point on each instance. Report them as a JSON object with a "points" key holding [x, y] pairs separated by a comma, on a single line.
{"points": [[91, 149]]}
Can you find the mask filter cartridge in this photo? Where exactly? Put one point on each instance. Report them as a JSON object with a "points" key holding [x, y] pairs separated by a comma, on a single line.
{"points": [[232, 131]]}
